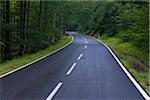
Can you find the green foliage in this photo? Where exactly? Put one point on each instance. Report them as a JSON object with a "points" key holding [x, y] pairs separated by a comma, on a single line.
{"points": [[128, 19], [47, 21], [29, 26], [20, 61], [133, 25], [32, 26], [135, 59]]}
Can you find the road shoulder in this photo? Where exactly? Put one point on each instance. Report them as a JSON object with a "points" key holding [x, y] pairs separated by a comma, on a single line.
{"points": [[15, 66], [130, 76]]}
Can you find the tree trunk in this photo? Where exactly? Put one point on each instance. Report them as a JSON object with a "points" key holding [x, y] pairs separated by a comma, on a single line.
{"points": [[62, 25], [1, 19], [40, 14], [23, 27], [28, 15], [7, 55], [54, 26], [45, 17], [27, 24]]}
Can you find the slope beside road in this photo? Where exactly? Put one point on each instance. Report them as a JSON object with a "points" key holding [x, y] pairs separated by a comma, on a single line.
{"points": [[83, 70], [28, 59]]}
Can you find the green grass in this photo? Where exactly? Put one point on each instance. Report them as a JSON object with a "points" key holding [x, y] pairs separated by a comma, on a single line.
{"points": [[20, 61], [136, 60]]}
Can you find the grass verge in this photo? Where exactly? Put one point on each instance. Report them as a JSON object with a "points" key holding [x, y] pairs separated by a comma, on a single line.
{"points": [[135, 59], [20, 61]]}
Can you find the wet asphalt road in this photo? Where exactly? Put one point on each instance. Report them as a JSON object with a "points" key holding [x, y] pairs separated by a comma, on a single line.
{"points": [[85, 68]]}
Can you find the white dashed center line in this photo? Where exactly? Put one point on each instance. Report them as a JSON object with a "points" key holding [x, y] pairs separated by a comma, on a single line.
{"points": [[54, 91], [70, 70], [80, 56], [85, 46]]}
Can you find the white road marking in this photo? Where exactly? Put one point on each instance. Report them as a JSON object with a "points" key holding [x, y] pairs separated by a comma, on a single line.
{"points": [[86, 42], [54, 91], [80, 56], [70, 70], [85, 46], [144, 94], [24, 66]]}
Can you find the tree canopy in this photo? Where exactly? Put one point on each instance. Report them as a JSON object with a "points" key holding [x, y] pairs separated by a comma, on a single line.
{"points": [[29, 26]]}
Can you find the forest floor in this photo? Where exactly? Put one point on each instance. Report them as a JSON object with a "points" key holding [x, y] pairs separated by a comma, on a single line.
{"points": [[135, 59], [20, 61]]}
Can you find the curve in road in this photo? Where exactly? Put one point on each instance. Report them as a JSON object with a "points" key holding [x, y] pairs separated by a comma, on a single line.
{"points": [[83, 70]]}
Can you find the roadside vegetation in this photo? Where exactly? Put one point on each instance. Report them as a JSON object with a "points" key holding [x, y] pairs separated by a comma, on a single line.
{"points": [[135, 60], [124, 26], [28, 27], [22, 60]]}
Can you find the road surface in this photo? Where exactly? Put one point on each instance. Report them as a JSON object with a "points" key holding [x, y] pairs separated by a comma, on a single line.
{"points": [[85, 70]]}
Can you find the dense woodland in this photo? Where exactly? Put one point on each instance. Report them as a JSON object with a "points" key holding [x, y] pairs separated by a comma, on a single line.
{"points": [[127, 19], [29, 26]]}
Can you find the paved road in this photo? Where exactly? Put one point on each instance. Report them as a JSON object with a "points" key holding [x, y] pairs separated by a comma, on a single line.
{"points": [[85, 70]]}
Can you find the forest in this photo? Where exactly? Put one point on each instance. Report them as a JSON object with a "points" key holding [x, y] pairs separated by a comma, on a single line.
{"points": [[29, 26]]}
